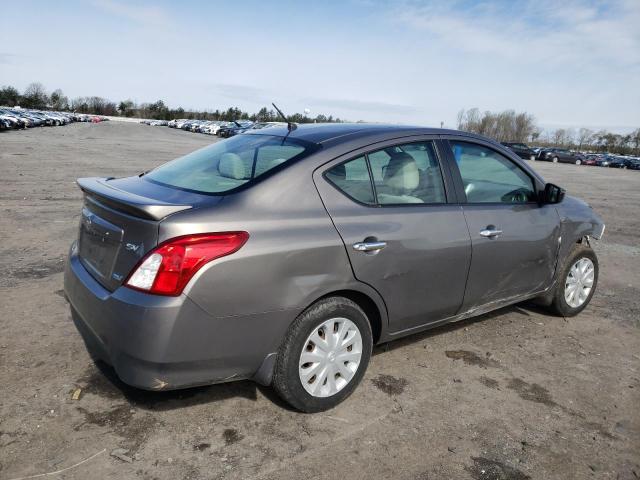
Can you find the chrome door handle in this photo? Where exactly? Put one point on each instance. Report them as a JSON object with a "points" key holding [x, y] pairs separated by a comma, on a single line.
{"points": [[490, 233], [369, 246]]}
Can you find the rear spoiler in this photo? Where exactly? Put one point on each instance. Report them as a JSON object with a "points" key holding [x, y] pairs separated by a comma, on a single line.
{"points": [[97, 189]]}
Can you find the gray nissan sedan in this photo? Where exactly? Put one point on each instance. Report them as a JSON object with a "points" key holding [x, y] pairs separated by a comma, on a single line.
{"points": [[283, 255]]}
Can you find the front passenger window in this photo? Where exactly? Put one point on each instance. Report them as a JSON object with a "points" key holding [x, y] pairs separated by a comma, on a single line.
{"points": [[489, 177]]}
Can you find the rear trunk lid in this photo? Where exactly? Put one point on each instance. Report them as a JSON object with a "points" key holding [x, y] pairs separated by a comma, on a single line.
{"points": [[119, 223]]}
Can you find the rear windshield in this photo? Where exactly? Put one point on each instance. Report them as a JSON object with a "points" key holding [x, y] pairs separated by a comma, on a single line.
{"points": [[230, 163]]}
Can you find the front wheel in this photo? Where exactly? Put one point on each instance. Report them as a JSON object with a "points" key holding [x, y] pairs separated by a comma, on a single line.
{"points": [[576, 282], [578, 162], [324, 355], [554, 159]]}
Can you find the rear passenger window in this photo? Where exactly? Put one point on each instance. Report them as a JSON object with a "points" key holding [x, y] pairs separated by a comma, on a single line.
{"points": [[408, 173], [489, 177], [402, 174], [353, 179]]}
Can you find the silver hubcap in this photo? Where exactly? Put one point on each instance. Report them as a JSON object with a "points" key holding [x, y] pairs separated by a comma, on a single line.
{"points": [[579, 282], [330, 357]]}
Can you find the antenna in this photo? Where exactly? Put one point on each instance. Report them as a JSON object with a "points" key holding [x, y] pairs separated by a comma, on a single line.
{"points": [[290, 125]]}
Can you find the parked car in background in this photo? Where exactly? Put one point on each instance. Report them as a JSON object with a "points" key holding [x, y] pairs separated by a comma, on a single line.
{"points": [[30, 120], [221, 128], [561, 155], [590, 159], [17, 117], [211, 127], [194, 125], [260, 125], [204, 126], [615, 162], [604, 160], [14, 119], [619, 162], [521, 149], [346, 236], [215, 128], [634, 164], [536, 150], [174, 123], [234, 128]]}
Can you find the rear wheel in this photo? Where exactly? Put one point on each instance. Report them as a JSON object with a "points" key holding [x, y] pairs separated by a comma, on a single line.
{"points": [[324, 355], [576, 282], [578, 162]]}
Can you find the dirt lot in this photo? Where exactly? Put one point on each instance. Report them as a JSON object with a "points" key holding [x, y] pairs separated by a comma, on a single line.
{"points": [[516, 394]]}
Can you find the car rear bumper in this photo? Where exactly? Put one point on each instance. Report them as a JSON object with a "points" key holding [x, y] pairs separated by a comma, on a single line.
{"points": [[164, 343]]}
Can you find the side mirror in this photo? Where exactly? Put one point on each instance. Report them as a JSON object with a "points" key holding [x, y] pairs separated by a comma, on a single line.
{"points": [[552, 194]]}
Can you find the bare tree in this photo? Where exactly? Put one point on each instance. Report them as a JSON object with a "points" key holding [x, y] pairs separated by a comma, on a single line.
{"points": [[535, 135], [584, 134], [557, 136], [507, 126], [635, 140], [58, 100], [35, 96]]}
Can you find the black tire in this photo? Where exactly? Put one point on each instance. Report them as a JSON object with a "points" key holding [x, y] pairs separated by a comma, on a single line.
{"points": [[286, 380], [559, 305], [554, 159]]}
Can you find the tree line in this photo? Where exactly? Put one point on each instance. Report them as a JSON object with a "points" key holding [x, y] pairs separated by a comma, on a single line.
{"points": [[509, 126], [36, 96], [506, 126]]}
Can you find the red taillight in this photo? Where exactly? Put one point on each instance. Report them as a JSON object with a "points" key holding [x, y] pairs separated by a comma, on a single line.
{"points": [[167, 269]]}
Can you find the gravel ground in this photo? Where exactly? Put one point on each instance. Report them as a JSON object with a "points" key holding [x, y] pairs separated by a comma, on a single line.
{"points": [[515, 394]]}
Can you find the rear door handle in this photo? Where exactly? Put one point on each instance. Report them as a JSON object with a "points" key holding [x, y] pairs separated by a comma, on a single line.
{"points": [[490, 232], [369, 246]]}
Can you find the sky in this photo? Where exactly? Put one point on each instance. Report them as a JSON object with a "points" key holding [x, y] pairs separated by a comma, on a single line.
{"points": [[572, 63]]}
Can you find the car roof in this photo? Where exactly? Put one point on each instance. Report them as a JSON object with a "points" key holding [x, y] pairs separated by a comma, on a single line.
{"points": [[324, 132]]}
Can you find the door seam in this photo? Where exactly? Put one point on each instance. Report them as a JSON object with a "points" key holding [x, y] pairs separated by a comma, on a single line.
{"points": [[346, 252], [466, 282]]}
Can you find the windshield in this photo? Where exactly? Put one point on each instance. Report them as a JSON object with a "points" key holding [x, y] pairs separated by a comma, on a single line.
{"points": [[230, 163]]}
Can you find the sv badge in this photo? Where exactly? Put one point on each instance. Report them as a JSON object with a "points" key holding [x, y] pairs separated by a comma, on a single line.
{"points": [[132, 247]]}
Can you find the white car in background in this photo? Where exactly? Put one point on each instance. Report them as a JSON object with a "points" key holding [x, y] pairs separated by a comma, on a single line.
{"points": [[214, 127]]}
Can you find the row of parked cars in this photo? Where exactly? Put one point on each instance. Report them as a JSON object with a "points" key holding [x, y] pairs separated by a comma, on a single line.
{"points": [[212, 127], [563, 155], [12, 118]]}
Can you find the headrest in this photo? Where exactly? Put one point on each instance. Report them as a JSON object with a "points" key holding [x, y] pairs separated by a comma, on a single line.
{"points": [[401, 173], [232, 166]]}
